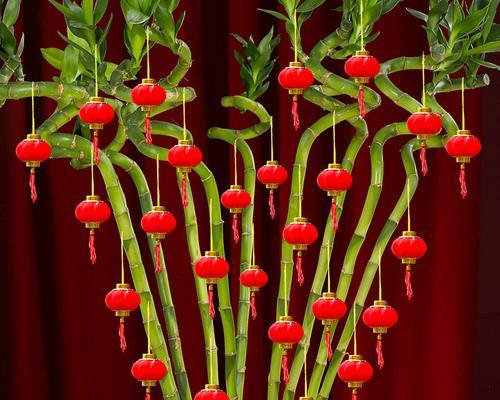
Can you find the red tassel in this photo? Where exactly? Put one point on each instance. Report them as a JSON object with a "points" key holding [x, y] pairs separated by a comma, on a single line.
{"points": [[252, 306], [148, 394], [93, 255], [157, 257], [121, 334], [284, 367], [34, 195], [463, 185], [423, 160], [96, 148], [409, 289], [354, 394], [328, 343], [272, 210], [236, 234], [298, 266], [295, 112], [211, 307], [361, 101], [380, 354], [184, 191], [147, 128], [335, 222]]}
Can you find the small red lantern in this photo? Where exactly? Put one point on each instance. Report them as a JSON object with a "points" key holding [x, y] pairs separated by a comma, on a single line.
{"points": [[463, 146], [409, 248], [148, 94], [355, 371], [184, 157], [158, 223], [92, 212], [424, 124], [380, 317], [362, 66], [211, 267], [334, 180], [236, 199], [285, 332], [96, 113], [272, 175], [253, 278], [33, 151], [122, 300], [300, 233], [295, 78], [328, 309], [211, 392], [148, 370]]}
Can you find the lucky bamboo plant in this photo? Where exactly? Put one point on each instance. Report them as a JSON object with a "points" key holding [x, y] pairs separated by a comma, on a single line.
{"points": [[459, 36]]}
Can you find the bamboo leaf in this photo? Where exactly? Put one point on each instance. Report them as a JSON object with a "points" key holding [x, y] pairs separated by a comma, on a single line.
{"points": [[494, 33], [470, 24], [417, 14], [7, 40], [274, 14], [491, 47], [388, 5], [485, 63], [70, 66], [309, 5], [99, 10], [88, 11], [11, 12], [54, 57]]}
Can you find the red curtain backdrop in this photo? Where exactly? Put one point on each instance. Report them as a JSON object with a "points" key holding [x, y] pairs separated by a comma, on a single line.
{"points": [[59, 340]]}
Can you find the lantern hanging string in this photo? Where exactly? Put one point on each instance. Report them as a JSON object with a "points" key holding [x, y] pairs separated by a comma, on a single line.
{"points": [[158, 180], [379, 275], [361, 18], [148, 66], [235, 162], [463, 103], [354, 329], [271, 127], [95, 72], [299, 195], [305, 369], [408, 204], [423, 79], [329, 281], [211, 367], [33, 129], [121, 256], [148, 332], [184, 130], [334, 121], [295, 40], [253, 244], [210, 223], [285, 290], [92, 170]]}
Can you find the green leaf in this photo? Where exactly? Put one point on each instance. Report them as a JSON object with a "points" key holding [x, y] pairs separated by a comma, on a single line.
{"points": [[491, 47], [132, 15], [274, 14], [417, 14], [7, 40], [88, 11], [179, 22], [490, 17], [436, 14], [470, 24], [494, 33], [99, 10], [309, 5], [11, 12], [67, 12], [485, 63], [54, 57], [388, 5], [70, 67]]}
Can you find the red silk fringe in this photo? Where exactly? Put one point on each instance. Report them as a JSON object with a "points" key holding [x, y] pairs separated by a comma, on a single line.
{"points": [[361, 101], [95, 142], [272, 209], [253, 307], [184, 191], [121, 334], [148, 394], [147, 128], [157, 257], [211, 307], [354, 395], [380, 354], [295, 113], [409, 289], [335, 222], [463, 184], [32, 182], [328, 344], [236, 234], [423, 160], [93, 255], [298, 266], [284, 368]]}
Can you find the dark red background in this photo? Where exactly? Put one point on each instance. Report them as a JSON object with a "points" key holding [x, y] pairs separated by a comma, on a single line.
{"points": [[58, 339]]}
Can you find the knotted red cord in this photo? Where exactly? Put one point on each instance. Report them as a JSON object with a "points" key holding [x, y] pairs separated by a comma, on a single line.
{"points": [[184, 191], [272, 210], [147, 128], [284, 367], [95, 142], [121, 334], [32, 183], [409, 289], [361, 101], [252, 306], [148, 394], [295, 112], [463, 184], [298, 266], [211, 307], [157, 257], [93, 255], [328, 343], [380, 354], [236, 234], [335, 222], [354, 394], [423, 160]]}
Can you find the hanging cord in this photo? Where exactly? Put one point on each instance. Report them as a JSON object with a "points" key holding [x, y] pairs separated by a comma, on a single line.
{"points": [[211, 366], [272, 140], [299, 196], [235, 162], [334, 122], [184, 130], [361, 12], [354, 330], [158, 180], [211, 228], [122, 258], [423, 79], [148, 66], [379, 275], [408, 205], [95, 72], [463, 103], [305, 369], [33, 129], [329, 281], [295, 39], [148, 331], [285, 290], [92, 171]]}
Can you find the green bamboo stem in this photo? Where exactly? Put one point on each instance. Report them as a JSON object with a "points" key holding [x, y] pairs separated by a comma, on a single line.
{"points": [[8, 69], [183, 65]]}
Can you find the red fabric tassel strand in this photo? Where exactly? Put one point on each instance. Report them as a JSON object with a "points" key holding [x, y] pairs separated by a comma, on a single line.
{"points": [[253, 308], [423, 160], [361, 101], [380, 354], [184, 191], [121, 334], [463, 184], [236, 234], [272, 209], [409, 289], [284, 367], [148, 394], [93, 255], [157, 257], [335, 222], [211, 308], [298, 267], [295, 112], [354, 394], [147, 128], [34, 195], [328, 343], [95, 142]]}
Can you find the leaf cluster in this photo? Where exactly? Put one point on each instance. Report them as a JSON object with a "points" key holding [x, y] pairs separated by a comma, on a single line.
{"points": [[9, 48]]}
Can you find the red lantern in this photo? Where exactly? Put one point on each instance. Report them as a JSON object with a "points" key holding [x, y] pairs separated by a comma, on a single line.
{"points": [[253, 278], [300, 233], [211, 267], [362, 66], [92, 212], [355, 371], [148, 94], [122, 300], [211, 392], [158, 223], [272, 175], [409, 248], [328, 309], [33, 151], [463, 146], [285, 332], [148, 370], [295, 78], [424, 124], [334, 180], [380, 317], [96, 113], [184, 157], [236, 199]]}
